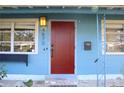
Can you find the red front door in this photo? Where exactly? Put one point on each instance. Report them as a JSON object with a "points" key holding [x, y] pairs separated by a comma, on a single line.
{"points": [[62, 47]]}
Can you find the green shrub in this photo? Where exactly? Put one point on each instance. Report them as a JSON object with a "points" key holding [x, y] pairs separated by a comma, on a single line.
{"points": [[3, 72], [29, 83]]}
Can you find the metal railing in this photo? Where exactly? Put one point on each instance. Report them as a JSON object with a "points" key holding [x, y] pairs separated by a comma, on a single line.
{"points": [[101, 72]]}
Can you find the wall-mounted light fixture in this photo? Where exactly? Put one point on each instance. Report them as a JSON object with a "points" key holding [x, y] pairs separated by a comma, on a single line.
{"points": [[43, 22]]}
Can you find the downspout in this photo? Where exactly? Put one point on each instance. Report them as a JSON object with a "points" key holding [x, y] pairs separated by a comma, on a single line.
{"points": [[97, 28], [104, 50]]}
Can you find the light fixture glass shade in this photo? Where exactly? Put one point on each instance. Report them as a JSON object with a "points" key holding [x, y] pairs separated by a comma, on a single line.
{"points": [[43, 21]]}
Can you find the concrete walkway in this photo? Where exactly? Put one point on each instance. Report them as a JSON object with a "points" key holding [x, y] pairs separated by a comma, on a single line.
{"points": [[61, 83]]}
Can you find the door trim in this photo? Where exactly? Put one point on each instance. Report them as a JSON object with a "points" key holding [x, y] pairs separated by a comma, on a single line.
{"points": [[49, 29]]}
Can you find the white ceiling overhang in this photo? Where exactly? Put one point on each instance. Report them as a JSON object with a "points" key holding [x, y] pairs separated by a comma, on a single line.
{"points": [[60, 2], [62, 6]]}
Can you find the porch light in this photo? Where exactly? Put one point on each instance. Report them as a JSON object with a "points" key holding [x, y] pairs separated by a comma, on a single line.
{"points": [[43, 22]]}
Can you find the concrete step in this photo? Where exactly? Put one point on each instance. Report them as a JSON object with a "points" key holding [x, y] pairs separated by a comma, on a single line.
{"points": [[61, 82]]}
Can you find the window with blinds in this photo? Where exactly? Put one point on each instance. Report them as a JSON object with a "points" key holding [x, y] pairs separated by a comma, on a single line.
{"points": [[5, 36], [18, 36], [114, 36]]}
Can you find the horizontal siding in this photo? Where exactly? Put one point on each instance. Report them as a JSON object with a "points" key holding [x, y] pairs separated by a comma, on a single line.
{"points": [[39, 64]]}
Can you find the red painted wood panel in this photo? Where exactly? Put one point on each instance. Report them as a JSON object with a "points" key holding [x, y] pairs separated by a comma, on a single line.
{"points": [[62, 47]]}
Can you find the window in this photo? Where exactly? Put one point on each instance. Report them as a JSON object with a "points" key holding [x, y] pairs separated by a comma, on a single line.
{"points": [[18, 36], [5, 36], [114, 36]]}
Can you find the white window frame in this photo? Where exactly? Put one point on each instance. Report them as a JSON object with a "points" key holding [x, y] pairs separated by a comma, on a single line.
{"points": [[12, 35], [102, 36]]}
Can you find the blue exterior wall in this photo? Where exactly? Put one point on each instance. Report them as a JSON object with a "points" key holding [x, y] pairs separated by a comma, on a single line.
{"points": [[86, 30]]}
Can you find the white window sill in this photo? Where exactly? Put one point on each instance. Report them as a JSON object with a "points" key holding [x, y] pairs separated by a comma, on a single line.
{"points": [[117, 53], [18, 52]]}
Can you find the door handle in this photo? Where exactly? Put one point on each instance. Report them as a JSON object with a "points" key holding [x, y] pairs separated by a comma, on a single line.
{"points": [[52, 50]]}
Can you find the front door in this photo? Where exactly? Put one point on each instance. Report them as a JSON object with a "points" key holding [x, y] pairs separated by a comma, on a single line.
{"points": [[62, 47]]}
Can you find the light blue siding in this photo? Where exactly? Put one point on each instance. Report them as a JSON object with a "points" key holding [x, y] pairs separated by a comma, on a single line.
{"points": [[39, 64]]}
